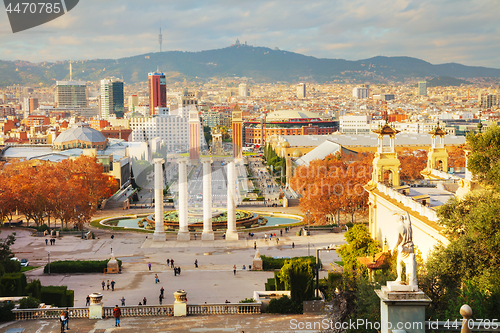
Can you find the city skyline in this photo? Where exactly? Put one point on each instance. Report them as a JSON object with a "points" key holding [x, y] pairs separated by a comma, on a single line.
{"points": [[438, 32]]}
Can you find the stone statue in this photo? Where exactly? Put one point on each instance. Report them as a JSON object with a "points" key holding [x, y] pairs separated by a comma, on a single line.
{"points": [[404, 246], [257, 255]]}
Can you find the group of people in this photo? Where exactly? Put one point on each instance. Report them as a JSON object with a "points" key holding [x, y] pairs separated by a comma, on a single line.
{"points": [[112, 284], [52, 241], [64, 319]]}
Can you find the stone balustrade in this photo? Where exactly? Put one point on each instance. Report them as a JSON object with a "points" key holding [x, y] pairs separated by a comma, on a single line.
{"points": [[141, 311], [408, 202], [49, 313], [223, 308]]}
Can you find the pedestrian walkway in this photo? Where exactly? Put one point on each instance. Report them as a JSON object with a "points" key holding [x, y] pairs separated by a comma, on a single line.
{"points": [[265, 323]]}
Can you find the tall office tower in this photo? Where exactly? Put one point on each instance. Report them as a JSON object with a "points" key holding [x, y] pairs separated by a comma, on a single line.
{"points": [[194, 134], [243, 90], [133, 100], [301, 90], [237, 128], [111, 98], [488, 101], [422, 88], [33, 104], [157, 91], [360, 92], [71, 94]]}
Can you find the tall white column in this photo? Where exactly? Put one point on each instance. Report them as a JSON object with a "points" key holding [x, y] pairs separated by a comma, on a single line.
{"points": [[159, 234], [231, 233], [208, 233], [183, 233]]}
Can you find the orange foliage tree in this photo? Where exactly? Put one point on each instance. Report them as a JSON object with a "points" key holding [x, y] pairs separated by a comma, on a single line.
{"points": [[333, 185], [412, 163], [456, 157], [69, 191]]}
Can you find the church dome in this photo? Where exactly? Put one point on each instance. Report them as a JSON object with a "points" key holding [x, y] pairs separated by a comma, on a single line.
{"points": [[297, 153]]}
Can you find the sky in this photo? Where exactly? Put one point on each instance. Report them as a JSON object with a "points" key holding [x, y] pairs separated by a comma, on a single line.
{"points": [[438, 31]]}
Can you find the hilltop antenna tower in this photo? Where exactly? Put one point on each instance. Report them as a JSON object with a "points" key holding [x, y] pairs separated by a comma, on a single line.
{"points": [[160, 37]]}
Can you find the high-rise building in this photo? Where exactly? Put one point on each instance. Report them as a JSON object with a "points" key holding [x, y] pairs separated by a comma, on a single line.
{"points": [[422, 88], [243, 90], [111, 98], [237, 128], [157, 91], [133, 100], [71, 94], [301, 90], [488, 101], [360, 92]]}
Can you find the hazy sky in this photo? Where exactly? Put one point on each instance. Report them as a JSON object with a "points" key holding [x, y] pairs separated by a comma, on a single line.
{"points": [[438, 31]]}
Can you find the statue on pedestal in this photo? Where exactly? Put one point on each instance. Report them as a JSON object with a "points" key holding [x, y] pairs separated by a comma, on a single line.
{"points": [[405, 248]]}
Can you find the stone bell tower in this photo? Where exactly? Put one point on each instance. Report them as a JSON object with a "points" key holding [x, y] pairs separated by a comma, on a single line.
{"points": [[386, 163], [437, 158]]}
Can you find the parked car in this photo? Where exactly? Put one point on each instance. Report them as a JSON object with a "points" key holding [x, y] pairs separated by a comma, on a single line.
{"points": [[25, 262]]}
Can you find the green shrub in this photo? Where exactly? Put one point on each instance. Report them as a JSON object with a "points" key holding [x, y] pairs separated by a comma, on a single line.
{"points": [[278, 283], [29, 303], [78, 266], [70, 298], [6, 313], [34, 289], [247, 300], [270, 263], [284, 305], [11, 266], [270, 285], [13, 284], [58, 296]]}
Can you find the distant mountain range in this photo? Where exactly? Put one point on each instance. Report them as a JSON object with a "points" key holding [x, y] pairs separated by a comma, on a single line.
{"points": [[259, 63]]}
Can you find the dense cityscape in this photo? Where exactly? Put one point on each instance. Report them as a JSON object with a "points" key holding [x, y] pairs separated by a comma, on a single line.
{"points": [[354, 200]]}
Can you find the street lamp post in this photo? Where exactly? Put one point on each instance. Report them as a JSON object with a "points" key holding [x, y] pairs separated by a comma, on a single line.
{"points": [[48, 254], [317, 266]]}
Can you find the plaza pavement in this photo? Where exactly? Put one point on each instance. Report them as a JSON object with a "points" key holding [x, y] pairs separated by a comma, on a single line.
{"points": [[212, 282]]}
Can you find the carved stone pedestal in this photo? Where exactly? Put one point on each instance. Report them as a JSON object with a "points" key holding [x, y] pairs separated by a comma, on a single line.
{"points": [[402, 310], [95, 308], [180, 304]]}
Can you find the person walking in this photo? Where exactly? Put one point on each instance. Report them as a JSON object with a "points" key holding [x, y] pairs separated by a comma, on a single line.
{"points": [[156, 278], [172, 263], [62, 319], [144, 300], [88, 300], [179, 270], [117, 313], [234, 270], [196, 263], [123, 301], [160, 298], [168, 262], [149, 265], [255, 245], [113, 285], [107, 284], [162, 291], [66, 315], [103, 284], [46, 241], [293, 245]]}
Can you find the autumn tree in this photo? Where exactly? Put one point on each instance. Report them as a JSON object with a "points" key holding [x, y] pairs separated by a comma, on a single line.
{"points": [[332, 185], [456, 157], [412, 163]]}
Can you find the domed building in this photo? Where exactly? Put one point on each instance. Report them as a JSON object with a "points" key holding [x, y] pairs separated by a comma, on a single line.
{"points": [[80, 136]]}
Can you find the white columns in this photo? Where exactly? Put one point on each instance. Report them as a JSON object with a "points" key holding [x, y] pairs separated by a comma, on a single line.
{"points": [[183, 234], [159, 234], [208, 233], [231, 233]]}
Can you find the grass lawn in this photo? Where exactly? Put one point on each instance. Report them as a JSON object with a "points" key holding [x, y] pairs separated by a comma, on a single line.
{"points": [[29, 268]]}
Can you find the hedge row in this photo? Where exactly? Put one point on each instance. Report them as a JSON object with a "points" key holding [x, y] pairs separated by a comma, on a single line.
{"points": [[270, 263], [13, 284], [58, 296], [78, 266]]}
